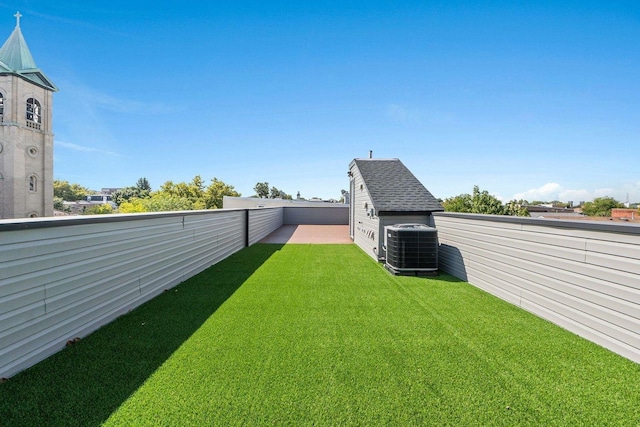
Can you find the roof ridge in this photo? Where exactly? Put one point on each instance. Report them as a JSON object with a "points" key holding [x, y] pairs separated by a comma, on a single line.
{"points": [[392, 187]]}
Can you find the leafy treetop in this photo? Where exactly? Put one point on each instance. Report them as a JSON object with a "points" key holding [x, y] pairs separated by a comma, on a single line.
{"points": [[600, 206], [69, 192], [262, 191], [484, 203]]}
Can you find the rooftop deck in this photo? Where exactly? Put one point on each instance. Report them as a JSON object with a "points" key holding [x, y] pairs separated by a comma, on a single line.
{"points": [[66, 277], [321, 335]]}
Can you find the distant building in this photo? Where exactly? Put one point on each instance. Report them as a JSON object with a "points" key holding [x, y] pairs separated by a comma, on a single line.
{"points": [[541, 210], [625, 214], [26, 140], [99, 198], [109, 191]]}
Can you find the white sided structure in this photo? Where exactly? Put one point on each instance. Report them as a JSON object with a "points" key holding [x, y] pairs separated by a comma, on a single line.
{"points": [[385, 193]]}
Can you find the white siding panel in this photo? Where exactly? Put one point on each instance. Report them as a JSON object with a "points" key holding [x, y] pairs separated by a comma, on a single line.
{"points": [[629, 250], [21, 314], [621, 233], [327, 214], [570, 262], [582, 276], [263, 222], [532, 281], [366, 227], [585, 319], [621, 263], [568, 323], [20, 299], [65, 278]]}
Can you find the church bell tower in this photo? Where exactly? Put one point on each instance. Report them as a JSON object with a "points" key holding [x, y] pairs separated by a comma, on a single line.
{"points": [[26, 138]]}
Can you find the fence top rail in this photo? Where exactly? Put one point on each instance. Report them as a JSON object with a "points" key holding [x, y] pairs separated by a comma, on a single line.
{"points": [[65, 221], [545, 222]]}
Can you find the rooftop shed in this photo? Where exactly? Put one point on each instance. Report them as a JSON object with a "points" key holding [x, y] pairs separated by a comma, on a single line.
{"points": [[384, 192]]}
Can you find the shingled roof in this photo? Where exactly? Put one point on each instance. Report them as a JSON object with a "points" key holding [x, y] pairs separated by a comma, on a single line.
{"points": [[394, 189]]}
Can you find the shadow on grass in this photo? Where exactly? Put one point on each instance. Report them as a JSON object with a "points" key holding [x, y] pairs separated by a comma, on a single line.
{"points": [[281, 235], [86, 382]]}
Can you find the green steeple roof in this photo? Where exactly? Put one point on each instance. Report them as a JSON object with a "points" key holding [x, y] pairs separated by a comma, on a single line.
{"points": [[16, 59]]}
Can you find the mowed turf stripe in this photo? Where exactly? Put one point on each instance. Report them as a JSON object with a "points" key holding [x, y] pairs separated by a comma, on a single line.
{"points": [[320, 334]]}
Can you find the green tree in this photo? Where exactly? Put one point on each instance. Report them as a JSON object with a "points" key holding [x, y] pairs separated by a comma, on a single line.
{"points": [[190, 196], [262, 190], [215, 192], [483, 203], [517, 208], [99, 210], [172, 196], [124, 195], [192, 191], [160, 202], [58, 204], [276, 193], [143, 185], [132, 206], [141, 190], [600, 206], [460, 203], [69, 192]]}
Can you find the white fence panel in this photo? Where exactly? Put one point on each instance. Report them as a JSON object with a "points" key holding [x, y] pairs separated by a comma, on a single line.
{"points": [[65, 277], [263, 222], [584, 276]]}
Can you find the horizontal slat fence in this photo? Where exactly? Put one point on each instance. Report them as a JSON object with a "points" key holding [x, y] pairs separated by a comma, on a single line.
{"points": [[263, 222], [65, 277], [325, 214], [583, 276]]}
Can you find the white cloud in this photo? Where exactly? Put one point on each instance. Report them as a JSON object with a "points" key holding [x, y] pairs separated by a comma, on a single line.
{"points": [[554, 191], [90, 98], [84, 149], [549, 191], [127, 106], [575, 196]]}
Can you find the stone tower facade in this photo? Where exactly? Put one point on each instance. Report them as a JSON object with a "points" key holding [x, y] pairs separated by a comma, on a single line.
{"points": [[26, 138]]}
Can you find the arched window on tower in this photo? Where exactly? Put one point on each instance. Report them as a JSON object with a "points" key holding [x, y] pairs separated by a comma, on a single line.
{"points": [[34, 113], [33, 183], [1, 106]]}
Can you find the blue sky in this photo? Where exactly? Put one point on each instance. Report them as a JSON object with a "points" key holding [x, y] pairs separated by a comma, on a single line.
{"points": [[539, 100]]}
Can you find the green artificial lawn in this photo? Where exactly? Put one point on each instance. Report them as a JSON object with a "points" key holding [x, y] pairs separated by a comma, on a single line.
{"points": [[322, 335]]}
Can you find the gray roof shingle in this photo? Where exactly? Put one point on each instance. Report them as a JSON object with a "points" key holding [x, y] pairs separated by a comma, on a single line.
{"points": [[393, 188]]}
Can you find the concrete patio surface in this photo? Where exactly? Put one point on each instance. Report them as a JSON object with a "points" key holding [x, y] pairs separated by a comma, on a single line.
{"points": [[309, 234]]}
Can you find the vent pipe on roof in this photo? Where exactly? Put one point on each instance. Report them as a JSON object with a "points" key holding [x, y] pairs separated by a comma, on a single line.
{"points": [[371, 154]]}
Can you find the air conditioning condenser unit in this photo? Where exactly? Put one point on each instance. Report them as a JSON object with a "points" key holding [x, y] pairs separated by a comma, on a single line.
{"points": [[411, 249]]}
